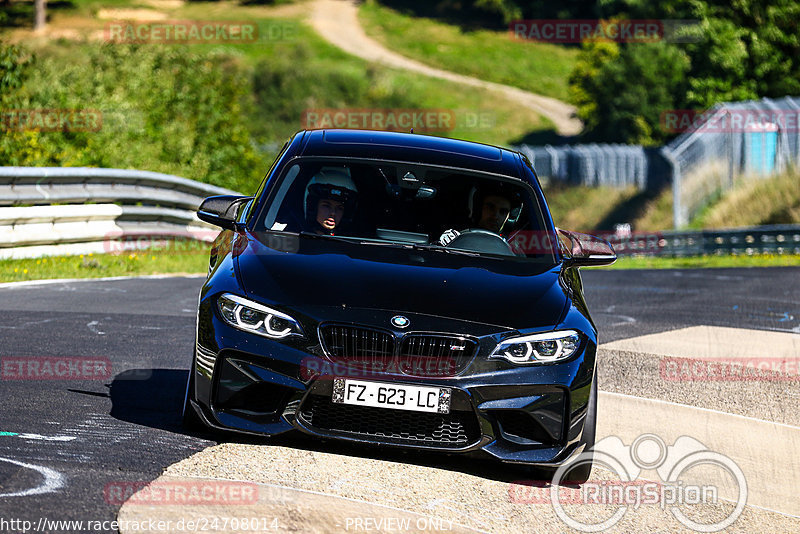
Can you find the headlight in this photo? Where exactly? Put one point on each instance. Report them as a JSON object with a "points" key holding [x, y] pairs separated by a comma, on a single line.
{"points": [[256, 318], [545, 347]]}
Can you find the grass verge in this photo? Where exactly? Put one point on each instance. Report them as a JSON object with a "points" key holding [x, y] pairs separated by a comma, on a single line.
{"points": [[489, 55], [706, 262], [142, 262], [767, 201], [146, 262], [217, 112]]}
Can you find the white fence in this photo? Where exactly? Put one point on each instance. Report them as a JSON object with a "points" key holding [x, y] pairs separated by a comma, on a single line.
{"points": [[593, 165], [735, 142], [731, 143]]}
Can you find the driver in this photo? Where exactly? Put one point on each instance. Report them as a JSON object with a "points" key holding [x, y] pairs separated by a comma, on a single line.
{"points": [[494, 209], [330, 200]]}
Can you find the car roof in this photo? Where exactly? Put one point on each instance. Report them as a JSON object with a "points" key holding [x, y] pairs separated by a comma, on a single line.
{"points": [[413, 148]]}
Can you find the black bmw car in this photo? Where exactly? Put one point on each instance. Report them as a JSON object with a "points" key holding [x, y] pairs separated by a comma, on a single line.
{"points": [[398, 290]]}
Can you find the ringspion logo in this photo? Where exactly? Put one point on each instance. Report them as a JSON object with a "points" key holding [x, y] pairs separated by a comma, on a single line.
{"points": [[676, 489]]}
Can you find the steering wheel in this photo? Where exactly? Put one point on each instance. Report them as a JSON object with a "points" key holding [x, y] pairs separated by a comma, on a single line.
{"points": [[479, 240]]}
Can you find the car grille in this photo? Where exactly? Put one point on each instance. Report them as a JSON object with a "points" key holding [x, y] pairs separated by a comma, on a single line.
{"points": [[418, 354], [435, 355], [350, 343], [457, 429]]}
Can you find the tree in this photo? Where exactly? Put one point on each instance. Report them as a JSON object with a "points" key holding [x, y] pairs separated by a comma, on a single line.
{"points": [[622, 92], [40, 19]]}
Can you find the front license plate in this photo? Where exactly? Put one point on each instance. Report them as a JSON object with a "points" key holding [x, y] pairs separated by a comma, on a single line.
{"points": [[396, 396]]}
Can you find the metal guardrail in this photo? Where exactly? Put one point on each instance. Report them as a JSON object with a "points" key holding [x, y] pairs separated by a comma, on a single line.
{"points": [[773, 239], [77, 210], [71, 185], [95, 207]]}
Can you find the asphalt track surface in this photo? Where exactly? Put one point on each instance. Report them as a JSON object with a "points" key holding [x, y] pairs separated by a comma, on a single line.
{"points": [[87, 434]]}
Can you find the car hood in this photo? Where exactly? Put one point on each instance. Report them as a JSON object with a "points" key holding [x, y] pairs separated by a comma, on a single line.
{"points": [[399, 281]]}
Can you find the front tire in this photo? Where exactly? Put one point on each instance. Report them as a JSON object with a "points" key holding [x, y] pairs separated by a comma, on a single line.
{"points": [[580, 473]]}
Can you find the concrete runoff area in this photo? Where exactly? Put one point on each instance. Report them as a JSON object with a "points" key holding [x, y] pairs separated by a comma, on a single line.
{"points": [[766, 452], [363, 491], [274, 509], [330, 487], [746, 372], [716, 343]]}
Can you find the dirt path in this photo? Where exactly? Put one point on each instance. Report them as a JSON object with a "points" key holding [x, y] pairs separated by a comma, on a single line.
{"points": [[337, 22]]}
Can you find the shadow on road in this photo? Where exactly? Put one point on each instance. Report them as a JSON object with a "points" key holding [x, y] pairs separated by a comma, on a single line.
{"points": [[150, 397]]}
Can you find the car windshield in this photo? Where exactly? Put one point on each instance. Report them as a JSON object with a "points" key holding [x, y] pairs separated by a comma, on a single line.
{"points": [[409, 205]]}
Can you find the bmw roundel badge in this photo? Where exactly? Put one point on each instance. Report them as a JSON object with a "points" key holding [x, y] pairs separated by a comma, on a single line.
{"points": [[400, 321]]}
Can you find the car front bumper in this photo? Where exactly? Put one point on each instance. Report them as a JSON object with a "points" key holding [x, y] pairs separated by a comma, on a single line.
{"points": [[521, 414]]}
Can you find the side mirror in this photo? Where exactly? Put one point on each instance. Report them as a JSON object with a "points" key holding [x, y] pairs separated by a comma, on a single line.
{"points": [[583, 250], [221, 210]]}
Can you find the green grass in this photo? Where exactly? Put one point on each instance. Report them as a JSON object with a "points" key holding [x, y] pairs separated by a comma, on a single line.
{"points": [[193, 258], [303, 71], [706, 262], [754, 203], [486, 54], [168, 129], [585, 209]]}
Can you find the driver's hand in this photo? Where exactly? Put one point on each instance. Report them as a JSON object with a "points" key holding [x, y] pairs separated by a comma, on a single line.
{"points": [[448, 236]]}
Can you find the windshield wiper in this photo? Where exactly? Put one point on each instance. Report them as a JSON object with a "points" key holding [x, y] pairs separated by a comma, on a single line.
{"points": [[393, 244], [438, 248], [356, 240]]}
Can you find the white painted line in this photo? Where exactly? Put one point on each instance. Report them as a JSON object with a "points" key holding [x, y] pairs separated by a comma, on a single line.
{"points": [[53, 480], [36, 436], [40, 437], [93, 326]]}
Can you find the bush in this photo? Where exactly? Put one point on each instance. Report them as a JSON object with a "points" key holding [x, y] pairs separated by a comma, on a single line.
{"points": [[163, 109], [621, 92]]}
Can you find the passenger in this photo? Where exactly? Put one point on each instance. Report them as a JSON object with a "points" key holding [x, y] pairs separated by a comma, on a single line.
{"points": [[330, 200]]}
